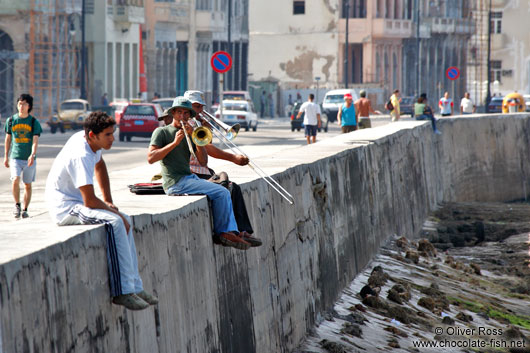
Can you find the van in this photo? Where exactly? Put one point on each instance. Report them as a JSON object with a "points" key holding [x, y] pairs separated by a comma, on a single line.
{"points": [[334, 99]]}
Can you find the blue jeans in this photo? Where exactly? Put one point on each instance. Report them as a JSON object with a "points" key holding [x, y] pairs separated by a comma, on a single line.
{"points": [[223, 213], [428, 116]]}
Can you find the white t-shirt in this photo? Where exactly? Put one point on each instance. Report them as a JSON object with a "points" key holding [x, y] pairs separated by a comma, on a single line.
{"points": [[72, 168], [311, 110], [467, 105], [447, 104]]}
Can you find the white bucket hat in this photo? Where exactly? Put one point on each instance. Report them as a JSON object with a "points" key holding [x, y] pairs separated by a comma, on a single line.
{"points": [[195, 97]]}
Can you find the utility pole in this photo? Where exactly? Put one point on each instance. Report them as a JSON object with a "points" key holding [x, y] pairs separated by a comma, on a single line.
{"points": [[346, 59], [83, 52], [229, 40], [418, 57], [488, 64]]}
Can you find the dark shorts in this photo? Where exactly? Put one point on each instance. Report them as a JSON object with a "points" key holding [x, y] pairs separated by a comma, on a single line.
{"points": [[348, 128], [310, 130]]}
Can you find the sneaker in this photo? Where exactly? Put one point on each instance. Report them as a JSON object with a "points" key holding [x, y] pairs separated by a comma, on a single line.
{"points": [[230, 239], [25, 214], [253, 241], [149, 298], [17, 211], [437, 132], [130, 301]]}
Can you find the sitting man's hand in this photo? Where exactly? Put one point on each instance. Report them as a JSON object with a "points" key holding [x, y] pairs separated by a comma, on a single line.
{"points": [[240, 159]]}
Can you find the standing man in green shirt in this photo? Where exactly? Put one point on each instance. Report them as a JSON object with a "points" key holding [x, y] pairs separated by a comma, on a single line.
{"points": [[22, 139]]}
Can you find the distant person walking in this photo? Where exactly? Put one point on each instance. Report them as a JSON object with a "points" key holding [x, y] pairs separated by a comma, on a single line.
{"points": [[263, 104], [104, 100], [446, 105], [347, 117], [363, 107], [21, 142], [395, 113], [271, 105], [311, 118], [466, 105]]}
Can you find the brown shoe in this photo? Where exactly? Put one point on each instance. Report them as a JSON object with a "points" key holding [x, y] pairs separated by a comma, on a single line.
{"points": [[230, 239], [148, 298], [130, 301], [253, 241]]}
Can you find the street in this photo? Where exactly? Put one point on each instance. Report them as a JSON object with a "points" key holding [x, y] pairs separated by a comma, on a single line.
{"points": [[275, 134]]}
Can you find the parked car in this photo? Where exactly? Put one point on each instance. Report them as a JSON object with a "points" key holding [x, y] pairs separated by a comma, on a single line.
{"points": [[110, 110], [297, 123], [119, 105], [513, 103], [406, 106], [139, 119], [334, 99], [527, 101], [239, 111], [164, 102], [495, 105], [70, 115], [236, 95]]}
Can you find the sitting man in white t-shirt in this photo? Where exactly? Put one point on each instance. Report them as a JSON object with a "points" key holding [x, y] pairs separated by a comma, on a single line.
{"points": [[311, 118], [71, 199]]}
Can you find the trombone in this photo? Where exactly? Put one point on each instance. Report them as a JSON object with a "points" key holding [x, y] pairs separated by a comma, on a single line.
{"points": [[236, 150]]}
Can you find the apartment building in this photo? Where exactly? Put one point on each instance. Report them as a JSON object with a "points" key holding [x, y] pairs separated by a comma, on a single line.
{"points": [[509, 50], [180, 38]]}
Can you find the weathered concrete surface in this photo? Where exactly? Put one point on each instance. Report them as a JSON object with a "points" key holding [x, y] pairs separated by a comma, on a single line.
{"points": [[351, 194]]}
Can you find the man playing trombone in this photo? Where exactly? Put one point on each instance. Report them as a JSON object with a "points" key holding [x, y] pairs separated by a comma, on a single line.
{"points": [[203, 172], [172, 147]]}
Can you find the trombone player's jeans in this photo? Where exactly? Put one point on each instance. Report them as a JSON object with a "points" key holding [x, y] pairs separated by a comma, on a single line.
{"points": [[223, 213]]}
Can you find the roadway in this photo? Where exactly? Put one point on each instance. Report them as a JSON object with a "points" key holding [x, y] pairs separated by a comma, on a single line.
{"points": [[274, 134]]}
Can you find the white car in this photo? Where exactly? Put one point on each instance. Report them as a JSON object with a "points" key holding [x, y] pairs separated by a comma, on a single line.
{"points": [[334, 99], [527, 101], [238, 112]]}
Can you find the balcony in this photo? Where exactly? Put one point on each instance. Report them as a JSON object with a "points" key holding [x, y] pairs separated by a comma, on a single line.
{"points": [[359, 28], [498, 41], [209, 21], [391, 28], [450, 25], [128, 14], [174, 13]]}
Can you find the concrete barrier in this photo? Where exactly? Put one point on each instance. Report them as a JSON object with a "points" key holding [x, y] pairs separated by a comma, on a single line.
{"points": [[352, 193]]}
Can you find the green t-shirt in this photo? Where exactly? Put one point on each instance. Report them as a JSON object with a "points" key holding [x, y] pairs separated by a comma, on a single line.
{"points": [[177, 162], [21, 133], [419, 108]]}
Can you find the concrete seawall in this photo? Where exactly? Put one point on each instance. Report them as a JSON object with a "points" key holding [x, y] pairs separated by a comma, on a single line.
{"points": [[352, 193]]}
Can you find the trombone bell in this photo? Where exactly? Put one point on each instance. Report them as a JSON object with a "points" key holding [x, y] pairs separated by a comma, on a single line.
{"points": [[201, 136], [232, 132]]}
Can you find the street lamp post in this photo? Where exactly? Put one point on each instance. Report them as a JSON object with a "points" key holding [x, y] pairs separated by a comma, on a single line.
{"points": [[417, 48], [83, 53], [346, 59], [317, 79], [488, 63]]}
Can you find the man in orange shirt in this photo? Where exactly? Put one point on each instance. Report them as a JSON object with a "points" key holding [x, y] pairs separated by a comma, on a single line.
{"points": [[363, 106]]}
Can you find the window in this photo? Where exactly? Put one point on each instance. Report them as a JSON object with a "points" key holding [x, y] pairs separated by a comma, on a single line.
{"points": [[496, 70], [298, 7], [496, 20]]}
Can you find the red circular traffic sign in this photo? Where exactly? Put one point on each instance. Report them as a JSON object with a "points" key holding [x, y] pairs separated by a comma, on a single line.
{"points": [[452, 73], [221, 62]]}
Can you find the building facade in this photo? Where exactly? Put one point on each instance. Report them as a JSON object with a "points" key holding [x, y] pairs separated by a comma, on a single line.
{"points": [[305, 46]]}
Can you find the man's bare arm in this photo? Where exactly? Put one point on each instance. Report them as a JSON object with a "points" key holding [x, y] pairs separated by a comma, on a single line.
{"points": [[218, 153], [102, 177], [7, 145]]}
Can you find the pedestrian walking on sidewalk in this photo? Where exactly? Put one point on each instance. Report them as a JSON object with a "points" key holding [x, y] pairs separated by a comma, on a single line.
{"points": [[311, 118], [395, 113], [21, 142], [466, 105], [363, 107], [446, 105], [71, 200], [347, 115]]}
